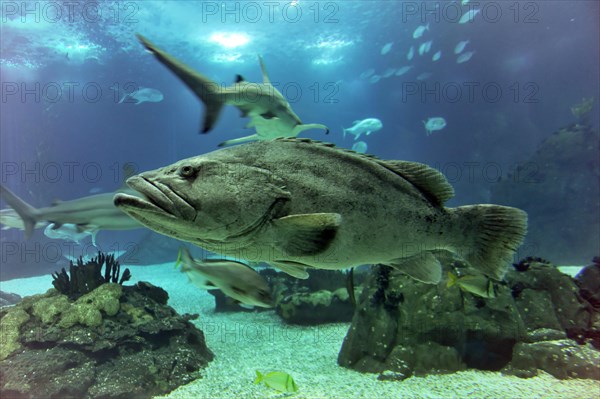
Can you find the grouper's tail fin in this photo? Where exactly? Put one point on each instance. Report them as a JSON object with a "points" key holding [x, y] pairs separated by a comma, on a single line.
{"points": [[207, 90], [494, 234], [23, 209]]}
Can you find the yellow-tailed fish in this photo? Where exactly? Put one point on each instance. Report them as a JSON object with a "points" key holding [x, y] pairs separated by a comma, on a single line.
{"points": [[235, 279], [277, 380], [477, 285]]}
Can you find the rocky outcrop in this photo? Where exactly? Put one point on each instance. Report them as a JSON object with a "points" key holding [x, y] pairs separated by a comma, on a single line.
{"points": [[558, 188], [311, 308], [322, 298], [7, 298], [113, 342], [402, 327]]}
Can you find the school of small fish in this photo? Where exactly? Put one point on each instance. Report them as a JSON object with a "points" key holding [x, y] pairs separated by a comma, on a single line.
{"points": [[420, 49]]}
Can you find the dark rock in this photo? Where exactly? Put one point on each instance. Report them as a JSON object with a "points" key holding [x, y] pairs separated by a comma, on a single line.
{"points": [[440, 329], [316, 307], [550, 299], [544, 334], [588, 281], [7, 298], [524, 264], [558, 188], [88, 348], [153, 292], [223, 303], [322, 298], [563, 359]]}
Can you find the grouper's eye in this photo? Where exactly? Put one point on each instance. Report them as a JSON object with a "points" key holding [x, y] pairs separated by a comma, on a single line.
{"points": [[187, 171]]}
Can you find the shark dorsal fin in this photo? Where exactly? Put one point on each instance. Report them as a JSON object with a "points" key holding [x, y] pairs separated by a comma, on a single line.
{"points": [[265, 75], [239, 78]]}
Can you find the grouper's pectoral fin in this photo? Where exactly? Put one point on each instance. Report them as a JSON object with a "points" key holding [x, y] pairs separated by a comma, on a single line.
{"points": [[423, 267], [294, 269], [307, 234]]}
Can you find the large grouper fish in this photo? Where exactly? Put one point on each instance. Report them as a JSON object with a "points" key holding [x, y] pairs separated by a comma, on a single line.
{"points": [[298, 204]]}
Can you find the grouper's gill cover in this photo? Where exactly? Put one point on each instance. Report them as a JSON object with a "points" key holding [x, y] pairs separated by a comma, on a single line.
{"points": [[298, 204], [219, 200]]}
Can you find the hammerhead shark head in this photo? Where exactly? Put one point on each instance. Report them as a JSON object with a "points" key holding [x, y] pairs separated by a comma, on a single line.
{"points": [[269, 112], [89, 214]]}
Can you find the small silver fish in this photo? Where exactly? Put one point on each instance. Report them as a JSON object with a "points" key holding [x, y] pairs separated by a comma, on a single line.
{"points": [[420, 30], [360, 147], [460, 46], [468, 17], [386, 49], [403, 70], [235, 279], [464, 57], [434, 124]]}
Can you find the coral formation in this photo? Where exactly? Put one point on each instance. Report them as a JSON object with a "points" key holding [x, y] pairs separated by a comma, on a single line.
{"points": [[310, 308], [436, 329], [523, 264], [113, 342], [558, 188], [86, 277], [322, 298], [7, 298]]}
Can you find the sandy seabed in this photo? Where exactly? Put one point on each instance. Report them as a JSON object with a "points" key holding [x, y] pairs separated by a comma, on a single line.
{"points": [[246, 342]]}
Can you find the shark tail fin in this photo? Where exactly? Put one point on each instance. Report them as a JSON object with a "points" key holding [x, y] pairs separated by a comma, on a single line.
{"points": [[211, 115], [209, 92], [23, 209]]}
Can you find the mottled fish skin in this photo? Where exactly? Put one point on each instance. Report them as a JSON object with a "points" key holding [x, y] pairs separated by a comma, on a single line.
{"points": [[296, 203]]}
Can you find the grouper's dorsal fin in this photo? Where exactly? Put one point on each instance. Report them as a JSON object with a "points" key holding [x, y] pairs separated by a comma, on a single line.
{"points": [[263, 69], [429, 181]]}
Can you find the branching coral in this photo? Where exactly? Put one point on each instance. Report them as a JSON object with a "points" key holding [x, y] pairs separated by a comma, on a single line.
{"points": [[86, 277]]}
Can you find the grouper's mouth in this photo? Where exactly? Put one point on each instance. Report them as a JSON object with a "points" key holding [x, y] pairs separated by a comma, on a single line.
{"points": [[157, 200]]}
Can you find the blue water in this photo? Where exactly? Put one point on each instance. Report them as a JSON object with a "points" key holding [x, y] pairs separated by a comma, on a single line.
{"points": [[63, 71]]}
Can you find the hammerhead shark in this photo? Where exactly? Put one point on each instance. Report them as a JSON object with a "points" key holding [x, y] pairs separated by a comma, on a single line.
{"points": [[89, 214], [269, 112]]}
